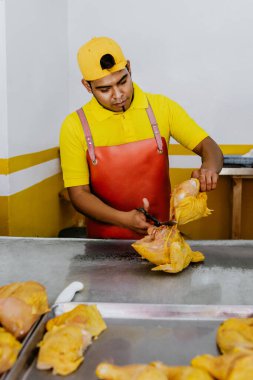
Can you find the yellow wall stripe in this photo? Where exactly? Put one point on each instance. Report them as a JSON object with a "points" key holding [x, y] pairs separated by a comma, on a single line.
{"points": [[179, 150], [4, 162], [14, 164]]}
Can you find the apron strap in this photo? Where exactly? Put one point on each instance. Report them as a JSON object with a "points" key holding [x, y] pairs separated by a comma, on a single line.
{"points": [[155, 128], [90, 142], [88, 135]]}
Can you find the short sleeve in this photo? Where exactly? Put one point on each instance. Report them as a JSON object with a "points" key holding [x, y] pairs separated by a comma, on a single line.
{"points": [[183, 128], [73, 152]]}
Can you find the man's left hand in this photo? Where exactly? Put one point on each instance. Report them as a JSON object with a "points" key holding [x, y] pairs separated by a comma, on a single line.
{"points": [[207, 178]]}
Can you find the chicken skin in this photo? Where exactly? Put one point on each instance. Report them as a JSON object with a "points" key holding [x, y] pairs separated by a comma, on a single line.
{"points": [[62, 349], [21, 304], [187, 203], [232, 366], [165, 247], [108, 371], [235, 332], [9, 349], [151, 371], [87, 316], [68, 337]]}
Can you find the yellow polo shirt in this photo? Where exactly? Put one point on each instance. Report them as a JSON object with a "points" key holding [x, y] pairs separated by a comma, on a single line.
{"points": [[114, 128]]}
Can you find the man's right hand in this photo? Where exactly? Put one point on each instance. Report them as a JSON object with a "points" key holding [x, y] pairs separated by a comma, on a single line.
{"points": [[88, 204], [136, 220]]}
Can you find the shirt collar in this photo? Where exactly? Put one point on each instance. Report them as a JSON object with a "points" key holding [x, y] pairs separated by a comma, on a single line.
{"points": [[101, 113]]}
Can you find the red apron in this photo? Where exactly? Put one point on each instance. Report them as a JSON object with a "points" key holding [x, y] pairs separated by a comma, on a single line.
{"points": [[122, 175]]}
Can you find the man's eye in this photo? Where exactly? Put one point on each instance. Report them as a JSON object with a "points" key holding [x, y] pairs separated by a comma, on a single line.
{"points": [[123, 82], [104, 89]]}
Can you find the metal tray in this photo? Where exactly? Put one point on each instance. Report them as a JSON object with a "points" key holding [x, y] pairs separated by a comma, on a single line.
{"points": [[137, 333], [25, 341]]}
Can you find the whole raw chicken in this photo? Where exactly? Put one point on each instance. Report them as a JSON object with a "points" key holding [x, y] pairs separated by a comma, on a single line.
{"points": [[187, 203], [232, 366], [21, 304], [9, 349], [235, 333], [151, 371], [165, 247]]}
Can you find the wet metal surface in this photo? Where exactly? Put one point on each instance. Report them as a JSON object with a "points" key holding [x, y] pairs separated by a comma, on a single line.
{"points": [[111, 271]]}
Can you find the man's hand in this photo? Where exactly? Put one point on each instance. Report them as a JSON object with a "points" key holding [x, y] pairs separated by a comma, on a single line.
{"points": [[207, 178], [212, 162], [136, 220], [88, 204]]}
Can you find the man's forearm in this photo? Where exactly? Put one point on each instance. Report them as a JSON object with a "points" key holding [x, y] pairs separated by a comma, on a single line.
{"points": [[91, 206], [211, 155]]}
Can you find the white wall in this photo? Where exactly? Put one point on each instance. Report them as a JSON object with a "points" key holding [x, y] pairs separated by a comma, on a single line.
{"points": [[3, 86], [197, 52], [37, 72]]}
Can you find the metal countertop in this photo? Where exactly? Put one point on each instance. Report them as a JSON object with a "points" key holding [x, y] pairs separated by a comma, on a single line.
{"points": [[112, 272]]}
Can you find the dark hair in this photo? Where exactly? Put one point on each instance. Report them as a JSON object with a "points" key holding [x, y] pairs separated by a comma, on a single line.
{"points": [[107, 61]]}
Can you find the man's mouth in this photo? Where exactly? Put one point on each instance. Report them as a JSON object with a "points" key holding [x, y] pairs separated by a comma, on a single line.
{"points": [[121, 104]]}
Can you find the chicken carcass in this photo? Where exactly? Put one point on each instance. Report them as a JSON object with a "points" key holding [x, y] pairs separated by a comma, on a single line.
{"points": [[166, 247], [187, 203], [21, 304], [235, 333], [151, 371], [9, 349], [232, 366], [67, 338]]}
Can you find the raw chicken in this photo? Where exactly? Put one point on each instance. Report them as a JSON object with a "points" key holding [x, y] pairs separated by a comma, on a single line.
{"points": [[108, 371], [182, 372], [187, 203], [151, 371], [68, 337], [235, 332], [62, 349], [9, 349], [165, 247], [21, 304], [232, 366], [87, 316]]}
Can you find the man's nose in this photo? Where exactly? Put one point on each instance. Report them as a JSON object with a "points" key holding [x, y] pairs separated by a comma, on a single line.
{"points": [[117, 94]]}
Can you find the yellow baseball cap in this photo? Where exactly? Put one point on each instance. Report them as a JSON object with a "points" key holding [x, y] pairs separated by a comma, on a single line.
{"points": [[89, 56]]}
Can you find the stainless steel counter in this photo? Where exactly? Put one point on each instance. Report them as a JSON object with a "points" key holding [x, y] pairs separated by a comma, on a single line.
{"points": [[112, 272]]}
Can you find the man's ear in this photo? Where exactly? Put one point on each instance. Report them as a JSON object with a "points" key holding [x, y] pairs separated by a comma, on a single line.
{"points": [[128, 66], [86, 85]]}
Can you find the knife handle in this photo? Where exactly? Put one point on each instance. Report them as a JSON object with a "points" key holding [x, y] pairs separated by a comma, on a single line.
{"points": [[69, 292]]}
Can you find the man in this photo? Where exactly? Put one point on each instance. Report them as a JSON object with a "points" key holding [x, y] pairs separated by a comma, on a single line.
{"points": [[114, 149]]}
